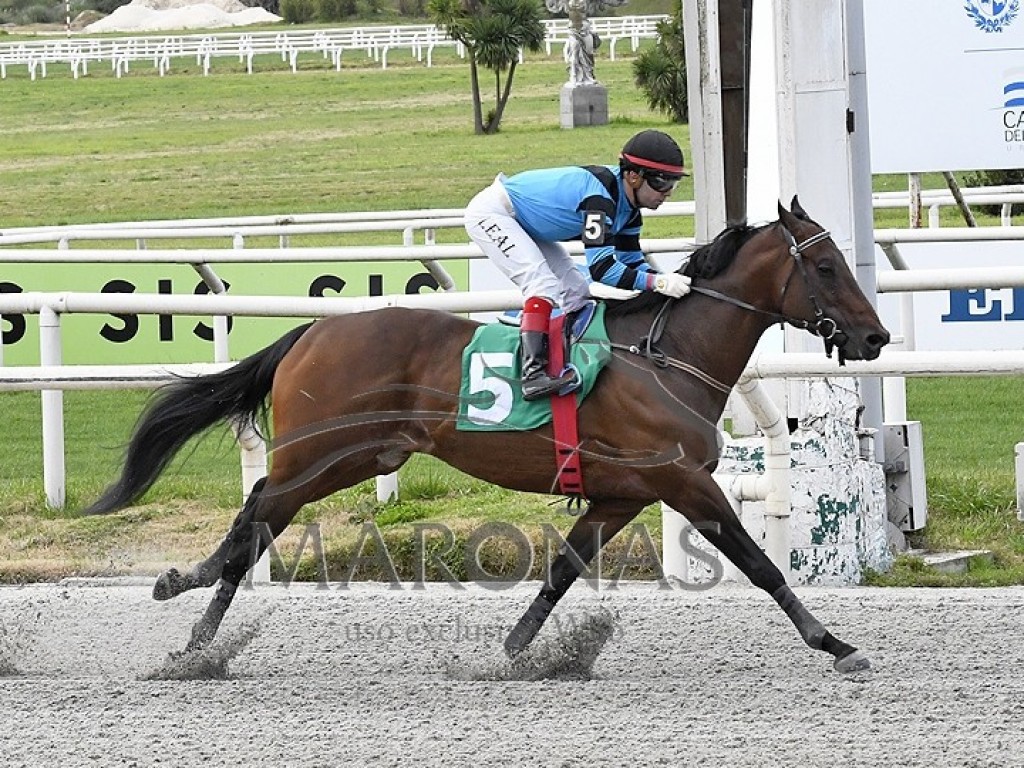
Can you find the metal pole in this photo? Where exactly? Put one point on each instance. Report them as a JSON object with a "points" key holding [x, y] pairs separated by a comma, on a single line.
{"points": [[914, 187], [860, 184], [703, 82], [734, 41], [53, 411], [959, 197]]}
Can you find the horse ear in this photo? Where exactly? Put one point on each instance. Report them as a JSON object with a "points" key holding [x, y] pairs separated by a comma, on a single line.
{"points": [[798, 209], [786, 217]]}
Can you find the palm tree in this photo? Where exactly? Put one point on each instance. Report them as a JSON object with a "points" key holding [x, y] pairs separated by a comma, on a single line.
{"points": [[660, 71], [494, 32]]}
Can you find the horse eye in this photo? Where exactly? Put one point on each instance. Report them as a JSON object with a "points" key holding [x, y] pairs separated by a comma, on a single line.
{"points": [[826, 267]]}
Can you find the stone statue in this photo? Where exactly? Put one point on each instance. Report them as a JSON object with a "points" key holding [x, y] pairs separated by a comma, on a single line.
{"points": [[582, 39]]}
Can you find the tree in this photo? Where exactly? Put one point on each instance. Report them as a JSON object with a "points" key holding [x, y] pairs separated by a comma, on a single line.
{"points": [[660, 71], [995, 178], [493, 32]]}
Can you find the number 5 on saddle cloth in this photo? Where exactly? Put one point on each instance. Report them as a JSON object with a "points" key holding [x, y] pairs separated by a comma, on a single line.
{"points": [[490, 397]]}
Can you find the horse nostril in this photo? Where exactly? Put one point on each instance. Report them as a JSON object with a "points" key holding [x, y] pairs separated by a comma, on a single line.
{"points": [[878, 340]]}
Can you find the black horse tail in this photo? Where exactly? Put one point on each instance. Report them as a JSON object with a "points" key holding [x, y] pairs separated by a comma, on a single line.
{"points": [[188, 407]]}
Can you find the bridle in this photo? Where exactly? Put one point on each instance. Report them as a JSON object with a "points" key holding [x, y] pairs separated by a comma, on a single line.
{"points": [[822, 325]]}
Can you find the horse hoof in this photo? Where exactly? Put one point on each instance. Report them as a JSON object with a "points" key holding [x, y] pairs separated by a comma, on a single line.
{"points": [[516, 643], [852, 662], [169, 584]]}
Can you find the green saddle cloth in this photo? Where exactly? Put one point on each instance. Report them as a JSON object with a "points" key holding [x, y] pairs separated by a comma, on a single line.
{"points": [[490, 396]]}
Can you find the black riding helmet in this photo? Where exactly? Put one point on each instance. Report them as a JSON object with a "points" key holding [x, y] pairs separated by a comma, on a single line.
{"points": [[655, 155]]}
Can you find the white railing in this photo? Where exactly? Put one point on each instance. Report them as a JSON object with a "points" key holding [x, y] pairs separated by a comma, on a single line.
{"points": [[51, 376], [376, 42], [237, 229], [428, 220]]}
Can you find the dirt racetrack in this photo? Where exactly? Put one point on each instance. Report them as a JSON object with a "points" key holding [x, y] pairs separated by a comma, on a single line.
{"points": [[372, 676]]}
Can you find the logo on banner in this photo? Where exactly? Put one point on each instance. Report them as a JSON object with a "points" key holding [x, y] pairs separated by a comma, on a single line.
{"points": [[1014, 94], [992, 15], [1013, 109]]}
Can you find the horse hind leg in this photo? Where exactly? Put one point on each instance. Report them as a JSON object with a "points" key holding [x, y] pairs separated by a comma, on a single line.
{"points": [[173, 582], [589, 534], [271, 506], [267, 512]]}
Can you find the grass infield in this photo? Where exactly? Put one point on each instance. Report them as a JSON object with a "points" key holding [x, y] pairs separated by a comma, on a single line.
{"points": [[184, 146]]}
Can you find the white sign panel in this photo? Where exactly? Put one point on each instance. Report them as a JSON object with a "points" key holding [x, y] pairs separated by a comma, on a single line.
{"points": [[971, 319], [945, 84]]}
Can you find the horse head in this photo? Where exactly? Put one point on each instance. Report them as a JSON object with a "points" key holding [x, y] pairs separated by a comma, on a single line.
{"points": [[821, 294]]}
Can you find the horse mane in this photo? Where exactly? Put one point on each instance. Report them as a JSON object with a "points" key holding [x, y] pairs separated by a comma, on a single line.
{"points": [[705, 263]]}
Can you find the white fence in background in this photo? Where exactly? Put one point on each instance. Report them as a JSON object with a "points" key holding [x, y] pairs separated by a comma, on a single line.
{"points": [[1005, 196], [237, 229], [376, 42], [52, 377], [427, 220]]}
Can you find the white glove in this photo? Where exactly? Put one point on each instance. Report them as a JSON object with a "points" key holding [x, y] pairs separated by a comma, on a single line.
{"points": [[672, 284]]}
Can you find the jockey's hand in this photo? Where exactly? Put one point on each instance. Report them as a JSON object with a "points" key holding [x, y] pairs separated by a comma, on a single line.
{"points": [[671, 284]]}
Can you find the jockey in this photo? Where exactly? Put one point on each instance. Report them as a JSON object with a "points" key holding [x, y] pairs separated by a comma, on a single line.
{"points": [[520, 221]]}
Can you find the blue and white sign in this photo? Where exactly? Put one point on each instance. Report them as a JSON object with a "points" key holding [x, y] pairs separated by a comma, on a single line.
{"points": [[971, 319], [945, 84]]}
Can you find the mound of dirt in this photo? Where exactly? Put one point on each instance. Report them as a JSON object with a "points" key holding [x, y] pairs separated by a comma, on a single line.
{"points": [[162, 15]]}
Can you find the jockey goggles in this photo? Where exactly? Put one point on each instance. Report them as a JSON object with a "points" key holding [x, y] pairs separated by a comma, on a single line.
{"points": [[660, 182]]}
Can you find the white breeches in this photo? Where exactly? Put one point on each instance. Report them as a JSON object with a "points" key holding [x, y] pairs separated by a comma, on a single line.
{"points": [[542, 269]]}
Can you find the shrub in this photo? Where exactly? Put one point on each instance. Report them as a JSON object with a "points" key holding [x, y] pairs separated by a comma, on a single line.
{"points": [[272, 6], [298, 11], [335, 10], [103, 6], [43, 14], [412, 7], [995, 179]]}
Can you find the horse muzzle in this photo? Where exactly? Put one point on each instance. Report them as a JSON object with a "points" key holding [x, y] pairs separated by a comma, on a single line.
{"points": [[862, 346]]}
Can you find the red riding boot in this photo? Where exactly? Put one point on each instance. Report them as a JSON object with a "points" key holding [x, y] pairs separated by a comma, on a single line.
{"points": [[533, 351]]}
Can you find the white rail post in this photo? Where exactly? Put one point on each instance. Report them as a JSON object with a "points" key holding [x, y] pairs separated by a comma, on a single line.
{"points": [[894, 388], [1019, 467], [53, 411], [778, 536]]}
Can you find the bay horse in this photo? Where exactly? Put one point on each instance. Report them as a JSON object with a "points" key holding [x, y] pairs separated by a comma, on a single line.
{"points": [[354, 396]]}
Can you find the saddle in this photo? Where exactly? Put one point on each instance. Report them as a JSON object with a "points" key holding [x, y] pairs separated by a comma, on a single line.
{"points": [[490, 399]]}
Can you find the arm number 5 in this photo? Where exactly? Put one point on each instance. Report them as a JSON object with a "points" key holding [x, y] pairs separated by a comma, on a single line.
{"points": [[593, 228]]}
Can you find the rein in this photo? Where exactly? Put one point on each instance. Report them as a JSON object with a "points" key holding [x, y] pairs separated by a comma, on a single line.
{"points": [[822, 326]]}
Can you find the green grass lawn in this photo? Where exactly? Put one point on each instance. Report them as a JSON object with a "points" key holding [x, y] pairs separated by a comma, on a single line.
{"points": [[231, 144]]}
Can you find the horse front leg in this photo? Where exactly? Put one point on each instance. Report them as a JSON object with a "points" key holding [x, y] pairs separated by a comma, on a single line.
{"points": [[707, 507], [586, 538]]}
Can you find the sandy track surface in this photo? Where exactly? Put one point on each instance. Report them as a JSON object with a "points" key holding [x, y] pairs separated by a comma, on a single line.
{"points": [[376, 677]]}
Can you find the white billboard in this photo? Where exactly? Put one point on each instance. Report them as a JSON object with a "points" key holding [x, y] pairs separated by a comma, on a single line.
{"points": [[945, 84]]}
